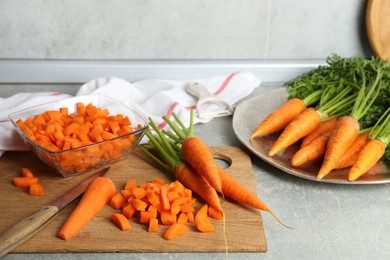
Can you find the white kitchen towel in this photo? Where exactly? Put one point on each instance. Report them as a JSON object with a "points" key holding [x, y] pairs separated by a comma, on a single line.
{"points": [[153, 98]]}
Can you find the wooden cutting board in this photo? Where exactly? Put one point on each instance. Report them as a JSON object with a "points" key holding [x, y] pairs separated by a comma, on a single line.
{"points": [[378, 27], [244, 227]]}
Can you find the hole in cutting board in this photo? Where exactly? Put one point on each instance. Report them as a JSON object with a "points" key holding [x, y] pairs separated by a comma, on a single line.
{"points": [[223, 161]]}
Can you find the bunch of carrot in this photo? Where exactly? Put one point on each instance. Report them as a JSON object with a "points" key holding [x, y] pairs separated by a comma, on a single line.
{"points": [[72, 136], [28, 180], [192, 163], [331, 128]]}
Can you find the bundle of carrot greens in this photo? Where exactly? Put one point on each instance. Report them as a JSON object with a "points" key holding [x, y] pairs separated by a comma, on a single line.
{"points": [[351, 97], [192, 163]]}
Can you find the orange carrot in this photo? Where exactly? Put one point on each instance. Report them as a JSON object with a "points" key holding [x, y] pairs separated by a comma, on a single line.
{"points": [[198, 155], [343, 135], [25, 182], [186, 175], [368, 156], [153, 225], [117, 201], [202, 221], [175, 231], [26, 172], [96, 196], [280, 118], [234, 190], [36, 189], [349, 157], [303, 125], [324, 127], [121, 221], [315, 149]]}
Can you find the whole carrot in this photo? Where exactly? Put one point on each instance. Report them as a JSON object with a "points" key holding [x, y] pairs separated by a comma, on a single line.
{"points": [[374, 149], [198, 184], [347, 127], [311, 151], [164, 153], [195, 151], [234, 190], [349, 157], [301, 126], [282, 116], [96, 196], [343, 135], [310, 119], [368, 156], [323, 128]]}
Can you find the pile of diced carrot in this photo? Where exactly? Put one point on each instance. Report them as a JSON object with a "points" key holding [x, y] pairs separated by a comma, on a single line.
{"points": [[28, 180], [158, 203], [57, 130]]}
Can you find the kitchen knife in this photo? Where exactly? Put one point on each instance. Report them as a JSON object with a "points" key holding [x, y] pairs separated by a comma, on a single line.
{"points": [[29, 226]]}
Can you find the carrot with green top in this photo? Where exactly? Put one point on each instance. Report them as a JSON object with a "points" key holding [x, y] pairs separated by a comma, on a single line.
{"points": [[196, 152], [315, 149], [347, 127], [310, 119], [374, 149], [282, 116], [324, 127], [349, 157], [163, 152]]}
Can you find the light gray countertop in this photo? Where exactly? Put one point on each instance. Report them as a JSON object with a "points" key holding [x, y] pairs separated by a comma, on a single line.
{"points": [[331, 221]]}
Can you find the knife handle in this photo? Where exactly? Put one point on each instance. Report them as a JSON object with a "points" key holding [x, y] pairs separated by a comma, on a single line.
{"points": [[25, 229]]}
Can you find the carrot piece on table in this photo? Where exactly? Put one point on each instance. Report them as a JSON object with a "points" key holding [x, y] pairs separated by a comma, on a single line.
{"points": [[281, 117], [202, 221], [343, 135], [153, 225], [121, 221], [145, 217], [350, 156], [164, 198], [303, 125], [96, 196], [324, 127], [191, 217], [26, 172], [36, 189], [175, 231], [130, 185], [313, 150], [126, 194], [183, 218], [129, 211], [167, 218], [139, 193], [117, 201], [368, 156], [139, 205], [25, 182], [234, 190], [197, 153]]}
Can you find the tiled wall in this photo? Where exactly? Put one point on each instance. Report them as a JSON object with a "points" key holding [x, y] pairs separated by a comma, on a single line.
{"points": [[182, 29]]}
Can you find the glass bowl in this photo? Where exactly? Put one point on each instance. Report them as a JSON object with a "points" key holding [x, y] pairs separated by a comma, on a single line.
{"points": [[76, 152]]}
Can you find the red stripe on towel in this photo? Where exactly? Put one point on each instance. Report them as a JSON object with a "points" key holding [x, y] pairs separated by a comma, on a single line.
{"points": [[225, 83]]}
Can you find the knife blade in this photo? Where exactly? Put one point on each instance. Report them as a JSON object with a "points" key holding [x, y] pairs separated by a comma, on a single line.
{"points": [[29, 226]]}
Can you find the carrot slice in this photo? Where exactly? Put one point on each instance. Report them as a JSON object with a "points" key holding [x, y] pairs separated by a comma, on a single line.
{"points": [[121, 221], [36, 189], [202, 221], [25, 182], [175, 231]]}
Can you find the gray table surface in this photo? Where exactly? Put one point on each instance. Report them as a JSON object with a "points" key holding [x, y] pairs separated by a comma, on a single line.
{"points": [[331, 221]]}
